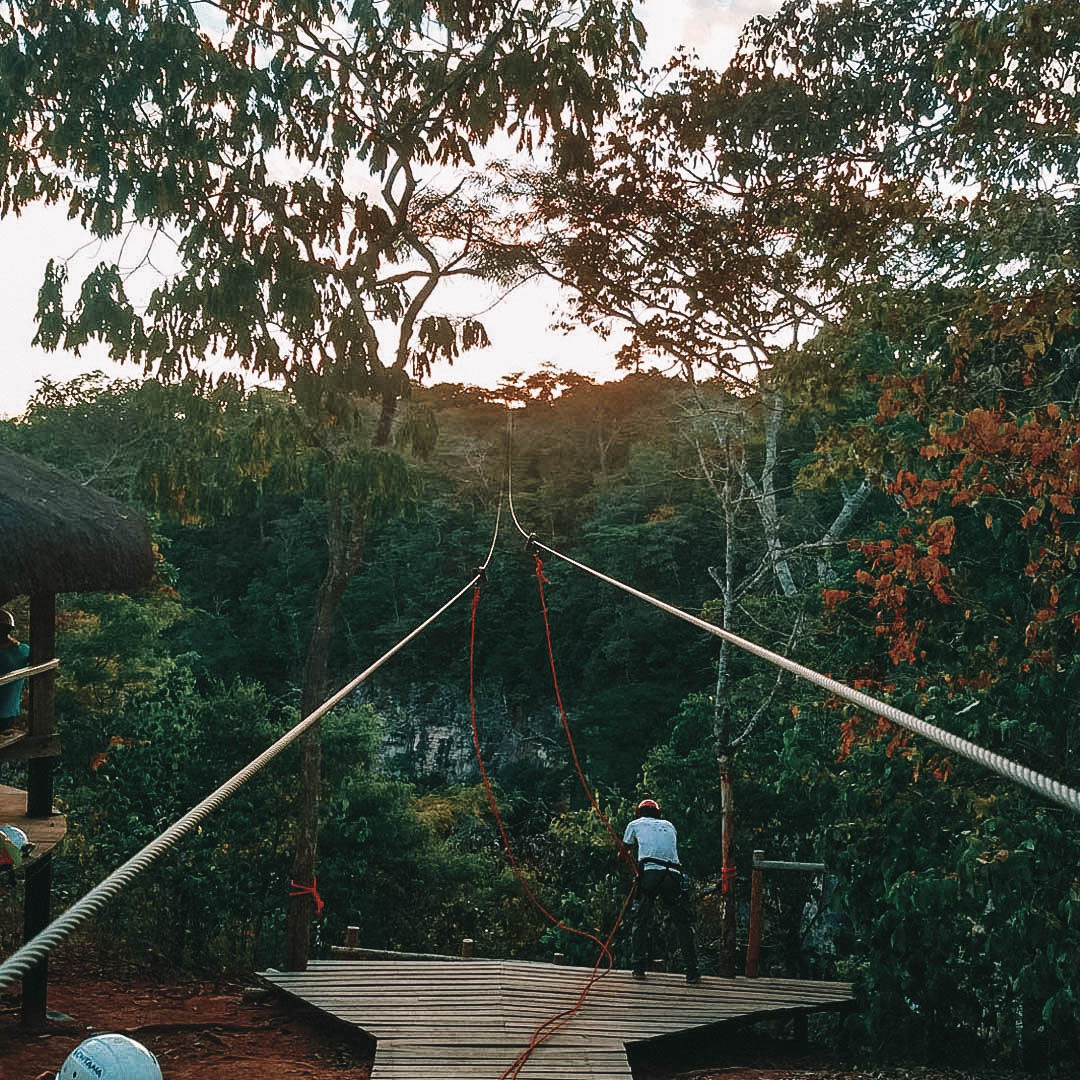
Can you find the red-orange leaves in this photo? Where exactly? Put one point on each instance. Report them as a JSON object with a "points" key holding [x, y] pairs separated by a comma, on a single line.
{"points": [[832, 597], [896, 568]]}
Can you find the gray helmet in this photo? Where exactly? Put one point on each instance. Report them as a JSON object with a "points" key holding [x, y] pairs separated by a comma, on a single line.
{"points": [[110, 1057], [7, 620]]}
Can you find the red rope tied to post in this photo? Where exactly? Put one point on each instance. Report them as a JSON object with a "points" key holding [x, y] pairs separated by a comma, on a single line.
{"points": [[727, 878], [623, 851], [311, 890]]}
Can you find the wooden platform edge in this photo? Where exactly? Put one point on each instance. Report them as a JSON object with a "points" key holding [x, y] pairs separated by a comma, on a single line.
{"points": [[23, 747], [343, 952], [45, 833], [264, 979], [743, 1020]]}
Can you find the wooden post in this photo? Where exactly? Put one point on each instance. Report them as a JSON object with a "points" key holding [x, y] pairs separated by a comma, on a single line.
{"points": [[39, 787], [466, 948], [753, 944], [352, 937], [37, 897], [727, 847], [35, 982]]}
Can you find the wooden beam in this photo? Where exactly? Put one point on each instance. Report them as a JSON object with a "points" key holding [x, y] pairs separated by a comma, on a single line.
{"points": [[37, 897], [26, 747], [30, 672], [39, 786]]}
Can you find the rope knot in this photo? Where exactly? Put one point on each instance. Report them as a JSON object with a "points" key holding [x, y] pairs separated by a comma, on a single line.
{"points": [[311, 890]]}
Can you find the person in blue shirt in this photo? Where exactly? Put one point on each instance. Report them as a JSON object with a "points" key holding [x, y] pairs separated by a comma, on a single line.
{"points": [[13, 655], [659, 877]]}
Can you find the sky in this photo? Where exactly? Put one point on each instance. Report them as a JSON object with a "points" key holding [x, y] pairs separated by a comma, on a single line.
{"points": [[519, 326]]}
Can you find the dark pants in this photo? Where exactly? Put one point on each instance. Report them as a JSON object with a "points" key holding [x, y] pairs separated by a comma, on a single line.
{"points": [[665, 885]]}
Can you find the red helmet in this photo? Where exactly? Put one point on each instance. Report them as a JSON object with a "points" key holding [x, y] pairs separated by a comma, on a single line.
{"points": [[648, 808]]}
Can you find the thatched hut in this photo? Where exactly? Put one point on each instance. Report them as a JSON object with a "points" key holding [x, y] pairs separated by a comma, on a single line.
{"points": [[60, 537], [57, 537]]}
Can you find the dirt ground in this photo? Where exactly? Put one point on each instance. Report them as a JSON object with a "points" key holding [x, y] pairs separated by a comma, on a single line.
{"points": [[223, 1031]]}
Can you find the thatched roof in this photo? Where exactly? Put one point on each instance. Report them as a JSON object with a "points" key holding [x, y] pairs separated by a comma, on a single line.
{"points": [[57, 536]]}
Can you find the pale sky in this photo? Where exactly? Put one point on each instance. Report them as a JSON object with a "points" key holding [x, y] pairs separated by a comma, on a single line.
{"points": [[519, 326]]}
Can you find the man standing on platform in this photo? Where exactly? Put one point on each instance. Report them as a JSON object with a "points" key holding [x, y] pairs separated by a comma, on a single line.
{"points": [[13, 655], [659, 876]]}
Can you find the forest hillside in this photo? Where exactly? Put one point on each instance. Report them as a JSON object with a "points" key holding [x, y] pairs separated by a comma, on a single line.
{"points": [[934, 865]]}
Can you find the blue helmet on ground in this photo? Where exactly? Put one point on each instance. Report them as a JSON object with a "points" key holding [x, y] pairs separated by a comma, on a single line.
{"points": [[15, 846], [110, 1057]]}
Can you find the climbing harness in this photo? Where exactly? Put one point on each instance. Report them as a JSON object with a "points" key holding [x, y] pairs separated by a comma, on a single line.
{"points": [[649, 860]]}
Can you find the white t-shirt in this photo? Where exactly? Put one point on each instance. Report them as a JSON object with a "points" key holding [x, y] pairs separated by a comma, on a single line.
{"points": [[655, 839]]}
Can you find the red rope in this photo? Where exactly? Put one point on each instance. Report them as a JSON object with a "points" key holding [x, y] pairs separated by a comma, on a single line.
{"points": [[555, 1023], [622, 849], [311, 890]]}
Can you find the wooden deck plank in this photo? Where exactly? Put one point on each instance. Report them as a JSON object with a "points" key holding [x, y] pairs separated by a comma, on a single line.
{"points": [[439, 1021]]}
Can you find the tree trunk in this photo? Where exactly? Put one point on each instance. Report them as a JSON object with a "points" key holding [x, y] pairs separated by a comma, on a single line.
{"points": [[345, 543], [764, 494], [853, 501], [729, 927]]}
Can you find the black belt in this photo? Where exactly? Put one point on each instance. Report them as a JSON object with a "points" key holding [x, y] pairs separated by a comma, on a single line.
{"points": [[660, 862]]}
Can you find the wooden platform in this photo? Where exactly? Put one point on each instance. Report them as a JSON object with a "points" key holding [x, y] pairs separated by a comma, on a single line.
{"points": [[439, 1021], [44, 833]]}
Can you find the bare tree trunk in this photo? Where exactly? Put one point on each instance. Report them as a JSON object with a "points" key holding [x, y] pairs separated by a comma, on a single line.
{"points": [[764, 493], [346, 543], [722, 735], [853, 501]]}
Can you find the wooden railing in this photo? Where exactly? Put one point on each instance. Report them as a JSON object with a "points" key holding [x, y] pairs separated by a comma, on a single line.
{"points": [[761, 864], [30, 672], [34, 743]]}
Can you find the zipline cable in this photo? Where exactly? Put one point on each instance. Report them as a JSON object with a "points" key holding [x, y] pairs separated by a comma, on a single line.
{"points": [[38, 948], [1011, 770]]}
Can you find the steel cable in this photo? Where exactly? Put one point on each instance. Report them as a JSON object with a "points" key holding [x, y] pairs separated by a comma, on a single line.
{"points": [[1011, 770], [36, 950]]}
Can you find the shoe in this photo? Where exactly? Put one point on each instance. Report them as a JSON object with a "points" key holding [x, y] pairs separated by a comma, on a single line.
{"points": [[638, 973], [693, 978]]}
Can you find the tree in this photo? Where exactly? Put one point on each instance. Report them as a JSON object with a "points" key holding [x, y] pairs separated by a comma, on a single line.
{"points": [[973, 104], [290, 153], [711, 232]]}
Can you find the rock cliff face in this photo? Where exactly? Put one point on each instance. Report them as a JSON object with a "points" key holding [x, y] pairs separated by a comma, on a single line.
{"points": [[428, 733]]}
